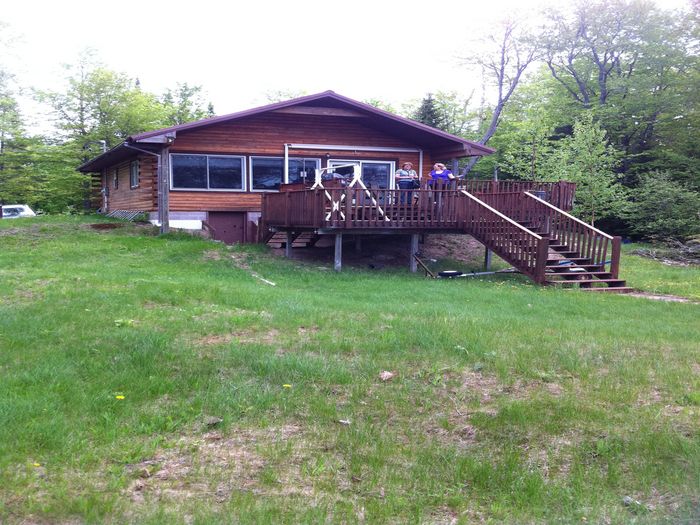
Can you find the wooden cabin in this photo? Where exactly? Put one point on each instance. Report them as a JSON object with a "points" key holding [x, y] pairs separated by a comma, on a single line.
{"points": [[324, 164], [214, 172]]}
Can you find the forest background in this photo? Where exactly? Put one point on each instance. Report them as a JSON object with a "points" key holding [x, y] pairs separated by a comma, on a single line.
{"points": [[601, 93]]}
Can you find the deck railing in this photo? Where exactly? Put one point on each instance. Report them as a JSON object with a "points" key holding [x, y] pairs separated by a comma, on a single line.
{"points": [[561, 193], [597, 246], [522, 248]]}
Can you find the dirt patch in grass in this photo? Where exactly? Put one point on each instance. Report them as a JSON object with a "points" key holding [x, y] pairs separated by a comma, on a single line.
{"points": [[268, 337], [212, 255], [210, 466], [100, 226], [475, 393], [377, 252], [660, 297]]}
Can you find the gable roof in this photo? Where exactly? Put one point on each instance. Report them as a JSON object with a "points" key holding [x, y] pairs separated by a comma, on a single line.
{"points": [[414, 132]]}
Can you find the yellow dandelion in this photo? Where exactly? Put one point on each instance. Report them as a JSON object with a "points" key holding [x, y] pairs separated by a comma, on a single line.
{"points": [[286, 386], [37, 464], [120, 397]]}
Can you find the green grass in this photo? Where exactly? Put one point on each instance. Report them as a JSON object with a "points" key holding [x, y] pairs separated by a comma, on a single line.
{"points": [[651, 276], [511, 403]]}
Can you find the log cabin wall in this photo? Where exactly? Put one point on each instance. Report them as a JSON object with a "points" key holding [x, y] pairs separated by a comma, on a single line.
{"points": [[260, 135], [265, 135], [143, 197]]}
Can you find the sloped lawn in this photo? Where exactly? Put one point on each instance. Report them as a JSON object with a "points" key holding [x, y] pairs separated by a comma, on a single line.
{"points": [[163, 380]]}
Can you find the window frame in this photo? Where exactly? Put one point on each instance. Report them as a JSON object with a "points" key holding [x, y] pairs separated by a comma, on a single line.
{"points": [[244, 173], [391, 163], [115, 178], [317, 160], [134, 174]]}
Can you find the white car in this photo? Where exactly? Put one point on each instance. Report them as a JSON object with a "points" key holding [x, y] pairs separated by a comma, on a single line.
{"points": [[15, 211]]}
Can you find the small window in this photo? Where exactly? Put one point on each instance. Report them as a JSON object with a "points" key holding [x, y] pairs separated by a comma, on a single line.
{"points": [[115, 179], [134, 174]]}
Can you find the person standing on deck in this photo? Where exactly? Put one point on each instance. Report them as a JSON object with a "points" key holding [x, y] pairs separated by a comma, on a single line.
{"points": [[406, 179], [440, 172]]}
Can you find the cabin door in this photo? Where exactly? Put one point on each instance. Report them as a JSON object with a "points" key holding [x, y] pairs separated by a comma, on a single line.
{"points": [[228, 227], [375, 174]]}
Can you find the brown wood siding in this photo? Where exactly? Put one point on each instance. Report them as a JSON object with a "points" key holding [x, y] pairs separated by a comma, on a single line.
{"points": [[265, 135], [124, 197], [214, 201]]}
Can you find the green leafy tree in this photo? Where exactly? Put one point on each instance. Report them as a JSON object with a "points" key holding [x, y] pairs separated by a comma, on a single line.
{"points": [[184, 104], [663, 209], [13, 161], [102, 105], [587, 159], [637, 65]]}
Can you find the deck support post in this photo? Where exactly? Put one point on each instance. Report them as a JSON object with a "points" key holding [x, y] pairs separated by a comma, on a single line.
{"points": [[288, 244], [338, 263], [487, 260], [358, 243], [413, 265]]}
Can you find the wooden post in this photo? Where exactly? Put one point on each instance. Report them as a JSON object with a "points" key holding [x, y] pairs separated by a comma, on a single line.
{"points": [[338, 263], [541, 261], [287, 209], [487, 260], [487, 253], [164, 189], [414, 250], [615, 257], [288, 245], [348, 207], [358, 243]]}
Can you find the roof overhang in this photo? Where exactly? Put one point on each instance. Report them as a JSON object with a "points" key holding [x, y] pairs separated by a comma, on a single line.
{"points": [[440, 143], [117, 154]]}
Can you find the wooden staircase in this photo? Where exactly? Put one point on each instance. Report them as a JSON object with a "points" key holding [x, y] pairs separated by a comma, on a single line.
{"points": [[547, 244], [302, 239]]}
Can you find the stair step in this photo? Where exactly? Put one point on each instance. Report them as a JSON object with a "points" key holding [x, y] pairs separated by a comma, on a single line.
{"points": [[566, 267], [617, 289], [573, 275], [610, 281], [572, 259]]}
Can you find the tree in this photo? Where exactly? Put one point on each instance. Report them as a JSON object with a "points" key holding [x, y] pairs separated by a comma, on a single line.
{"points": [[633, 62], [587, 159], [13, 164], [427, 113], [509, 55], [185, 104], [663, 209]]}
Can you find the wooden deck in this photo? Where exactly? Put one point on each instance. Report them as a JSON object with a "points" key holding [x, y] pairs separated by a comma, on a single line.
{"points": [[525, 223]]}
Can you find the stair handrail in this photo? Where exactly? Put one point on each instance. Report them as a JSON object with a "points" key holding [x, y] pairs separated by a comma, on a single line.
{"points": [[504, 217], [568, 215]]}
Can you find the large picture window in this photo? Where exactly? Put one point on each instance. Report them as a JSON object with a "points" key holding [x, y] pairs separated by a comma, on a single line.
{"points": [[267, 173], [207, 172]]}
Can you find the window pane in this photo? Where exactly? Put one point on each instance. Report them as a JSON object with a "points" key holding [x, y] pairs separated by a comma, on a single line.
{"points": [[376, 174], [225, 172], [134, 174], [189, 171], [296, 166], [267, 173]]}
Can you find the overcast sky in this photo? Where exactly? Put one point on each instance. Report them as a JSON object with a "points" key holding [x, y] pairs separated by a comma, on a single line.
{"points": [[394, 51]]}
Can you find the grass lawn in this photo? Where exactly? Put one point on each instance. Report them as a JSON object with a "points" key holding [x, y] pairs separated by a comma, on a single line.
{"points": [[149, 379]]}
